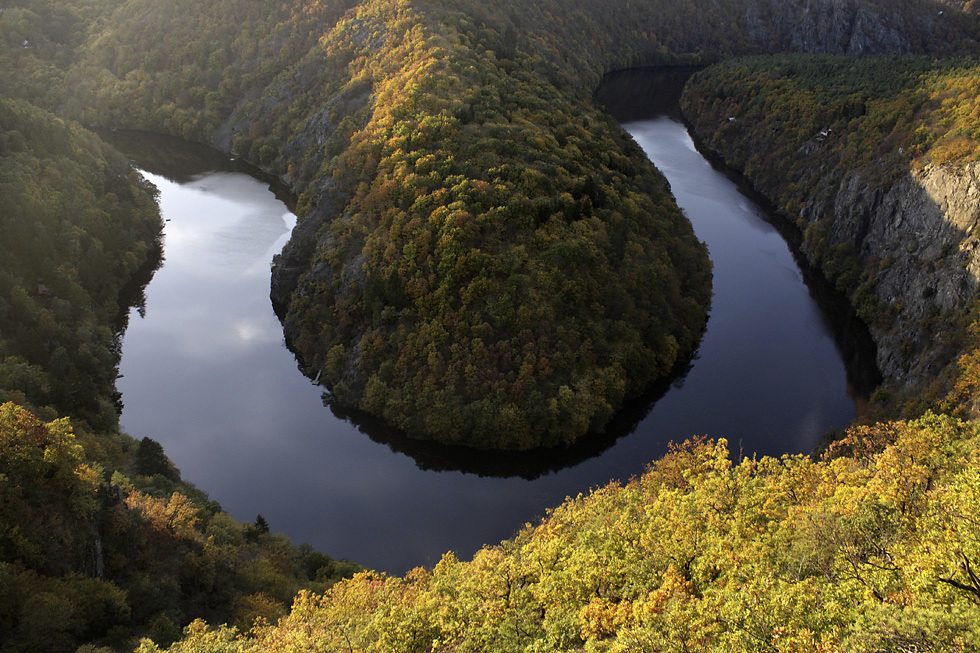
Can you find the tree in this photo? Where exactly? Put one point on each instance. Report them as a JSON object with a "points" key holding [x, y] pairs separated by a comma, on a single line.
{"points": [[151, 460]]}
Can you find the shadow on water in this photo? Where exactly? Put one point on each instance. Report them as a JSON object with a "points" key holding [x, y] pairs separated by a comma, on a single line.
{"points": [[133, 295], [633, 95], [642, 93], [528, 465], [183, 161], [208, 377], [629, 95]]}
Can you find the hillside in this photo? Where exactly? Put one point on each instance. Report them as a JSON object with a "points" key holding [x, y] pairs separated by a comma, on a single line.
{"points": [[78, 226], [420, 133], [100, 541], [870, 548], [877, 167], [483, 257]]}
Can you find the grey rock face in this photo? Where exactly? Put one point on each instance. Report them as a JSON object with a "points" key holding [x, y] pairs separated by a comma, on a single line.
{"points": [[919, 241], [825, 27]]}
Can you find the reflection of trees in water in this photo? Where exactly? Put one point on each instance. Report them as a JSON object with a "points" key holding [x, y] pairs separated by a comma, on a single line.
{"points": [[181, 162], [133, 295], [643, 93], [631, 95], [175, 159], [530, 464], [627, 95]]}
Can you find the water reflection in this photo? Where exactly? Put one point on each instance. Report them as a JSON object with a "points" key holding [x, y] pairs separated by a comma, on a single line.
{"points": [[207, 375], [528, 465], [642, 93], [183, 162], [635, 95]]}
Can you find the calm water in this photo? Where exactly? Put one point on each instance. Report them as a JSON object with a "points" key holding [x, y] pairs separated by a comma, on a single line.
{"points": [[207, 374]]}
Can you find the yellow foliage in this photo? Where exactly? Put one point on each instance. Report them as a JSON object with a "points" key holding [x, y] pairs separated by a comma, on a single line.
{"points": [[702, 554], [176, 516]]}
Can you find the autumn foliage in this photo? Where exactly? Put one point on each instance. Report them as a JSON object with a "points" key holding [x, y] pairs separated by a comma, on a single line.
{"points": [[842, 553], [482, 257], [88, 556]]}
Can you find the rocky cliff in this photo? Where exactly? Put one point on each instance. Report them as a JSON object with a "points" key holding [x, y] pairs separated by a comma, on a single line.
{"points": [[461, 202], [917, 241], [495, 67], [837, 27], [853, 155]]}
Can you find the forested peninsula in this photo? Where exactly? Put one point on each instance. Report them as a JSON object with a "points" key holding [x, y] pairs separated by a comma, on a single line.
{"points": [[482, 257]]}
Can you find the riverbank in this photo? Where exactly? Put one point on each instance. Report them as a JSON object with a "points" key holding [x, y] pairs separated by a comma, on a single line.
{"points": [[768, 375], [890, 229]]}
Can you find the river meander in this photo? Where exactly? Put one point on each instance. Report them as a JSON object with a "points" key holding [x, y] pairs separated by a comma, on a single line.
{"points": [[207, 374]]}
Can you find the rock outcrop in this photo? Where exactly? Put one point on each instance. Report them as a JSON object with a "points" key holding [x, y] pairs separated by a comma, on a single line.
{"points": [[879, 212], [918, 241], [830, 27]]}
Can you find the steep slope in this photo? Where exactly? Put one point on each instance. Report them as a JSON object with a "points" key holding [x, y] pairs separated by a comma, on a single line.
{"points": [[100, 541], [463, 274], [77, 224], [870, 548], [861, 552], [469, 260], [427, 391], [876, 164]]}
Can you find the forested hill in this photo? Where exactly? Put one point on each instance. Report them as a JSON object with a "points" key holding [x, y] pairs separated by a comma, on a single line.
{"points": [[481, 257], [77, 226], [100, 541]]}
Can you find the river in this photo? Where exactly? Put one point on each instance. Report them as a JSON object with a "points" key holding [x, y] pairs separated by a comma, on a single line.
{"points": [[207, 374]]}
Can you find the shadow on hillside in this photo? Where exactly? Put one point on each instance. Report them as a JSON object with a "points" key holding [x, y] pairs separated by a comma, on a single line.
{"points": [[182, 162], [530, 464], [642, 93], [629, 95]]}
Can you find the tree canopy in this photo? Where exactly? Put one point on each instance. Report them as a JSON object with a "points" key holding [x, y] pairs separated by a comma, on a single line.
{"points": [[481, 257], [872, 546], [77, 224]]}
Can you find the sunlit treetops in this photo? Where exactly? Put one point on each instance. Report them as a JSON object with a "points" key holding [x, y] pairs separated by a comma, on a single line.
{"points": [[457, 187], [867, 548], [482, 257], [465, 272], [100, 541], [87, 556], [488, 267]]}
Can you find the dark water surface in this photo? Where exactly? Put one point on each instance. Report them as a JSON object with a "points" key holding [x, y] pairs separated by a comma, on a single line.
{"points": [[206, 373]]}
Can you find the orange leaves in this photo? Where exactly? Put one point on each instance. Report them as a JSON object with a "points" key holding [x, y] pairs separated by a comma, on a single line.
{"points": [[176, 516], [964, 398], [674, 588], [701, 554], [862, 442], [688, 460], [602, 618]]}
